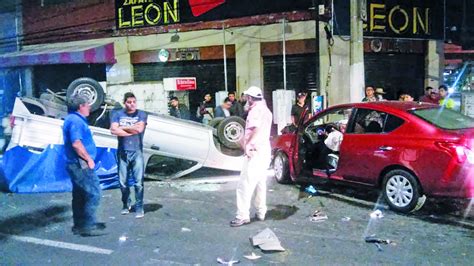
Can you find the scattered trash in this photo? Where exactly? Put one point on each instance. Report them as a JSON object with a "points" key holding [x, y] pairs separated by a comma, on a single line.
{"points": [[227, 262], [123, 238], [252, 256], [111, 217], [156, 250], [374, 239], [346, 219], [377, 214], [379, 247], [184, 229], [420, 203], [195, 219], [267, 240], [270, 190], [318, 216], [311, 190]]}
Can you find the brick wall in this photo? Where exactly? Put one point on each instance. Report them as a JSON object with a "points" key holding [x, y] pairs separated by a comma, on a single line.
{"points": [[74, 20]]}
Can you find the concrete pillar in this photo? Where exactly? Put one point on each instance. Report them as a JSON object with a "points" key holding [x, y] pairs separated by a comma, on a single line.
{"points": [[434, 63], [122, 71], [27, 79], [249, 64], [357, 74]]}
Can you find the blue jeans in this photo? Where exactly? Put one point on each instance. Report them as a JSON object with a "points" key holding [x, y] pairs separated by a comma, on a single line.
{"points": [[85, 195], [131, 165]]}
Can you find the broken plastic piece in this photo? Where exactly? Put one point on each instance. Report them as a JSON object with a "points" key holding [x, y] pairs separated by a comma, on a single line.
{"points": [[252, 256], [377, 214], [227, 262], [374, 239], [346, 219], [311, 190], [184, 229], [267, 241]]}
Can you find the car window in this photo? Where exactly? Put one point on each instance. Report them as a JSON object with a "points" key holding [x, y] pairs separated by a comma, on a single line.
{"points": [[338, 117], [368, 121], [445, 118], [392, 122]]}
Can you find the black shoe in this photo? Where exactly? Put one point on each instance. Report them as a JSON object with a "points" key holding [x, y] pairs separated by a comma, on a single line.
{"points": [[239, 222], [92, 232], [100, 226]]}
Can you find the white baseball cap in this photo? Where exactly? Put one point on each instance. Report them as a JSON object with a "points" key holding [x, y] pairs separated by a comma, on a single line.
{"points": [[254, 91]]}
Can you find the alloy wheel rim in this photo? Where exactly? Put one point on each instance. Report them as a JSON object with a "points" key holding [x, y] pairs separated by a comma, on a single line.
{"points": [[399, 191], [278, 167]]}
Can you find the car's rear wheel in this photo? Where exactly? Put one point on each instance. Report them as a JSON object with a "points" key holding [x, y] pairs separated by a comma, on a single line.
{"points": [[230, 132], [281, 168], [88, 88], [401, 190]]}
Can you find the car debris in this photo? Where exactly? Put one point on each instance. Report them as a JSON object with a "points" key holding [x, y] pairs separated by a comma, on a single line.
{"points": [[346, 219], [227, 262], [252, 256], [374, 239], [311, 190], [377, 214], [318, 216], [266, 240], [185, 229]]}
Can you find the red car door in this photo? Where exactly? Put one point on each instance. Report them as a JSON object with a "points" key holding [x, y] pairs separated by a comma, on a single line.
{"points": [[369, 146]]}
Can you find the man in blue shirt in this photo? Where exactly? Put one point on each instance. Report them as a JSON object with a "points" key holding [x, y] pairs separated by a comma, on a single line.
{"points": [[80, 152], [129, 125]]}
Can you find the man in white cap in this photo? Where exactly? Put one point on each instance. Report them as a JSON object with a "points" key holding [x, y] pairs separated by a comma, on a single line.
{"points": [[257, 159]]}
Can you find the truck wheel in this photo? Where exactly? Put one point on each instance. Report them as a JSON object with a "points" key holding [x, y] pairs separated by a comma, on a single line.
{"points": [[230, 131], [401, 190], [89, 88], [215, 122]]}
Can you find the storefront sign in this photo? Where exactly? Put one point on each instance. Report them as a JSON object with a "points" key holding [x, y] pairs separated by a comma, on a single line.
{"points": [[401, 19], [184, 84], [179, 84], [143, 13]]}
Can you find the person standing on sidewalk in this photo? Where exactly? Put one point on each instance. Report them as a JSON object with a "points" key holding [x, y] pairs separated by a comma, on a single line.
{"points": [[253, 177], [129, 125], [80, 152]]}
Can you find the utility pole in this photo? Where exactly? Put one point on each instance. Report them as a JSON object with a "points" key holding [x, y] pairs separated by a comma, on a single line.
{"points": [[357, 74], [318, 65]]}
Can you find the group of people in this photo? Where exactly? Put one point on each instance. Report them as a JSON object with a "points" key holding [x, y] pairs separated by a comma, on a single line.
{"points": [[129, 125], [439, 96], [207, 111]]}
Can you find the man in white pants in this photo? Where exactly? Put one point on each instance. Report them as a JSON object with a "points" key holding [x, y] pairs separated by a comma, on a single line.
{"points": [[257, 148]]}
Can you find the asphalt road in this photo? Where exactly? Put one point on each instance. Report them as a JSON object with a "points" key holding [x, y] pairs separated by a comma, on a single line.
{"points": [[187, 223]]}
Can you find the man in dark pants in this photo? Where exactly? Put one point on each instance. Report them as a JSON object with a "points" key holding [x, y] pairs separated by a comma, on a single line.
{"points": [[129, 126], [80, 152]]}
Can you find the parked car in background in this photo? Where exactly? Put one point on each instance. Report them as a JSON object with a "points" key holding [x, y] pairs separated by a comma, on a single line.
{"points": [[405, 149]]}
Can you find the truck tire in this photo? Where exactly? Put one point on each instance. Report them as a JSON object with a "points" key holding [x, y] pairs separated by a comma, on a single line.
{"points": [[215, 122], [230, 132], [89, 88]]}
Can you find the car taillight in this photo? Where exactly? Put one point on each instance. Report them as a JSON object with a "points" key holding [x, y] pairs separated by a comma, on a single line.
{"points": [[461, 152]]}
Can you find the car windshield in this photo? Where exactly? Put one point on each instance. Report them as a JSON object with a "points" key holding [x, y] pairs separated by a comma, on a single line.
{"points": [[445, 118]]}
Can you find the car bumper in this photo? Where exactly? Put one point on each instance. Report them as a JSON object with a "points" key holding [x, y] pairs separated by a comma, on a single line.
{"points": [[457, 183]]}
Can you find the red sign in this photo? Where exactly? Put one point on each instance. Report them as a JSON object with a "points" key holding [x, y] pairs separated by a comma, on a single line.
{"points": [[199, 7], [184, 84]]}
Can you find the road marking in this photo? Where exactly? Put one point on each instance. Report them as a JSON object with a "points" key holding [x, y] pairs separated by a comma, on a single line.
{"points": [[59, 244]]}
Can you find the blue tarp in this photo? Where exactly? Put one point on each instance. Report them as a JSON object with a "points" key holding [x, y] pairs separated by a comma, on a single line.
{"points": [[23, 171]]}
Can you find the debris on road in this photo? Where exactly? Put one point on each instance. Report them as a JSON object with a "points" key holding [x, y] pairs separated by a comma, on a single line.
{"points": [[377, 214], [252, 256], [346, 219], [374, 239], [311, 190], [318, 216], [123, 238], [266, 240], [185, 229], [227, 262]]}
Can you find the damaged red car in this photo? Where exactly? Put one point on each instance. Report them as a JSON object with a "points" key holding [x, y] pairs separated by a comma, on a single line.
{"points": [[405, 149]]}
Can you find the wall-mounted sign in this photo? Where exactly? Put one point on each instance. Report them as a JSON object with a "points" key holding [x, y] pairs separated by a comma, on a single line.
{"points": [[143, 13], [180, 84], [408, 19]]}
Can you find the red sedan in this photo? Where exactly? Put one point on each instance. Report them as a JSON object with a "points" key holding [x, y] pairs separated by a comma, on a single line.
{"points": [[406, 149]]}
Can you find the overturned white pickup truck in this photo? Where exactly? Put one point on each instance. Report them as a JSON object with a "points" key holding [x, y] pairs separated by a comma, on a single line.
{"points": [[181, 146]]}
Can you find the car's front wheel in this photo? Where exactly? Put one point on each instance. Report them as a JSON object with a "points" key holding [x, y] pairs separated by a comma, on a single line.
{"points": [[401, 190], [281, 168]]}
